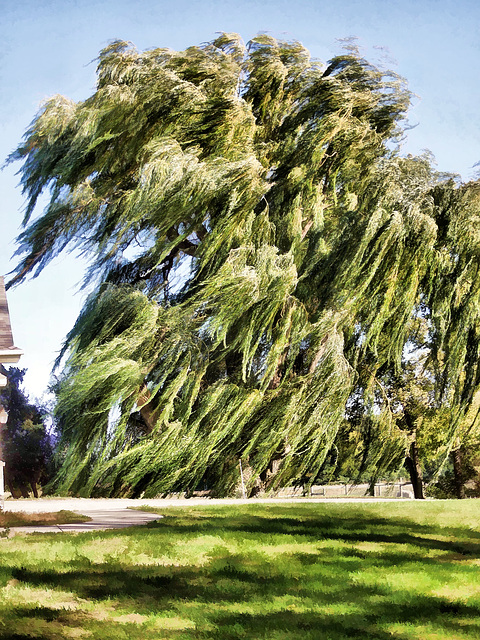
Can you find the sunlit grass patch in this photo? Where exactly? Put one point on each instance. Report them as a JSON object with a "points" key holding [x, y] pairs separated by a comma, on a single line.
{"points": [[311, 571]]}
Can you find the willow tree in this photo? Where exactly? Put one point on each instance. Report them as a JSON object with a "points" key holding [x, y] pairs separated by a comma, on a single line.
{"points": [[259, 250]]}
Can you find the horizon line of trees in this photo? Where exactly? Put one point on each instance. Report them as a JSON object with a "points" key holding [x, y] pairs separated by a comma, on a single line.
{"points": [[30, 450]]}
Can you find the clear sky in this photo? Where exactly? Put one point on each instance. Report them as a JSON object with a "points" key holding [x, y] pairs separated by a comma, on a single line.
{"points": [[50, 46]]}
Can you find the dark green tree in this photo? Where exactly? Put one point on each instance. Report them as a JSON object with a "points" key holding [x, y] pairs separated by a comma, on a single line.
{"points": [[260, 249], [26, 446]]}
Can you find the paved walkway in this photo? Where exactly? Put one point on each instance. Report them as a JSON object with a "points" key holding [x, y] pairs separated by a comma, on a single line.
{"points": [[113, 513], [100, 519]]}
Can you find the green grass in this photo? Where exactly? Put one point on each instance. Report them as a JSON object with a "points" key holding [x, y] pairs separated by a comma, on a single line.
{"points": [[308, 571], [23, 519]]}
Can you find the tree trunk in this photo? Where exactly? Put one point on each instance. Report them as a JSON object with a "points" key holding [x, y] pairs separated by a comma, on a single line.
{"points": [[252, 489], [457, 460], [146, 410], [412, 463], [15, 493]]}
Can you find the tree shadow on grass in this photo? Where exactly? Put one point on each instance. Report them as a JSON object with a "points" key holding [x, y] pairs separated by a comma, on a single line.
{"points": [[346, 528], [247, 594], [45, 623], [223, 595], [371, 624]]}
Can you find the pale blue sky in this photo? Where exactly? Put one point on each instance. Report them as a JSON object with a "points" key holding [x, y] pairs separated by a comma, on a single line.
{"points": [[48, 47]]}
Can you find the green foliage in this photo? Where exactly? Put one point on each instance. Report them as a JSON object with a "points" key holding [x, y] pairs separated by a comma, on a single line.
{"points": [[260, 249], [25, 443]]}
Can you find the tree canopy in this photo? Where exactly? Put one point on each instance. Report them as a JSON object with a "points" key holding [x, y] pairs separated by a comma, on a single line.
{"points": [[25, 444], [262, 255]]}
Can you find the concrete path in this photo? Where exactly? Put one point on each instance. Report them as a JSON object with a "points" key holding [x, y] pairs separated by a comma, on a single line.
{"points": [[104, 514], [100, 519], [113, 513]]}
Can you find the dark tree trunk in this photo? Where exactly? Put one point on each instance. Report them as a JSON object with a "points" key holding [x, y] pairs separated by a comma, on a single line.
{"points": [[412, 464], [33, 485], [15, 493], [18, 488], [24, 490], [457, 460]]}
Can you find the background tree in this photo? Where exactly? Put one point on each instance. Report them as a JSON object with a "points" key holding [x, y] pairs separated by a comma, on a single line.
{"points": [[26, 445], [260, 249], [457, 476]]}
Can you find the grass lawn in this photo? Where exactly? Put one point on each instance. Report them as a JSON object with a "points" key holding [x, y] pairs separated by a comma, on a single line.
{"points": [[377, 571], [22, 519]]}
